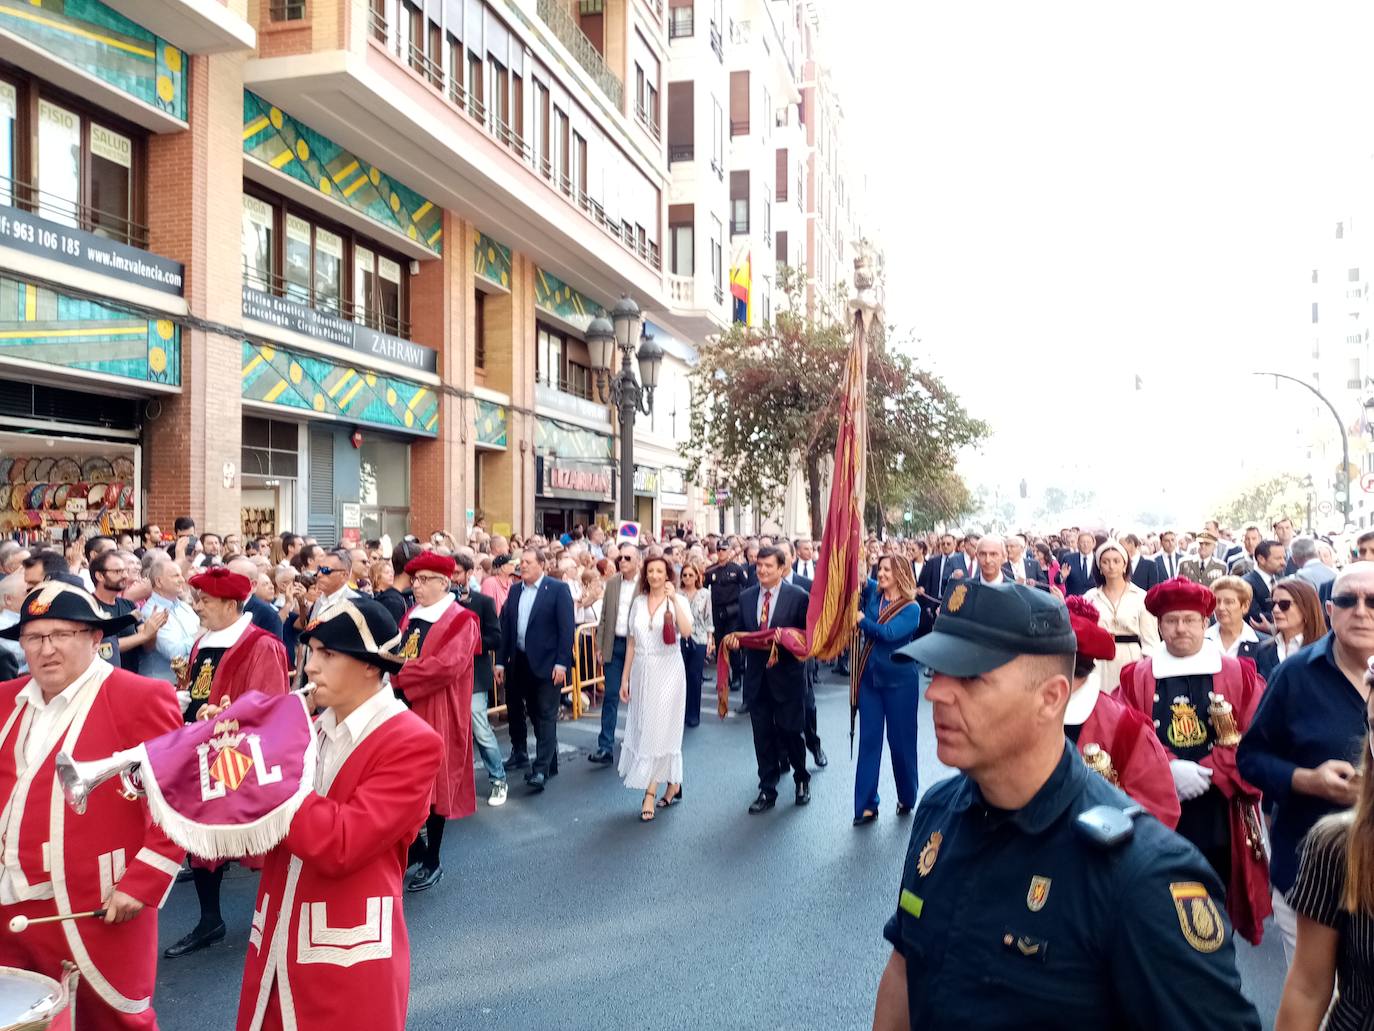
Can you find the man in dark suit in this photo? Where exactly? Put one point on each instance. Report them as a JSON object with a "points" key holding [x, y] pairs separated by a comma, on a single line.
{"points": [[940, 568], [1284, 534], [776, 694], [1021, 567], [537, 630], [1078, 570], [1270, 558], [1144, 571], [264, 615], [1168, 559]]}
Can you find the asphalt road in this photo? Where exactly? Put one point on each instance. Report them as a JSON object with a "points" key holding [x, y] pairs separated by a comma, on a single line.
{"points": [[562, 911]]}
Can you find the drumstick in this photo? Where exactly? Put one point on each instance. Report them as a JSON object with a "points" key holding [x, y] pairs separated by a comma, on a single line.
{"points": [[19, 924]]}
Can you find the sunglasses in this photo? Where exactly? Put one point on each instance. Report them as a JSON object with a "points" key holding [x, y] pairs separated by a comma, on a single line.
{"points": [[1283, 604], [327, 570], [1349, 601]]}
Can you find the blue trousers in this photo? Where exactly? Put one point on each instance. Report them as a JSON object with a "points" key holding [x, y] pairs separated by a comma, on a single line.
{"points": [[694, 659], [614, 667], [896, 707]]}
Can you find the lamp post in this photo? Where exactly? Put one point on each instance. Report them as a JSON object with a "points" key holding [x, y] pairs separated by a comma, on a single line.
{"points": [[1343, 481], [630, 395]]}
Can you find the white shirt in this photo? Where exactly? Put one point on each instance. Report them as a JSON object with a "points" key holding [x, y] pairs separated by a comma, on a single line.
{"points": [[992, 583], [431, 613], [328, 601], [229, 636], [622, 615], [764, 592], [806, 567], [337, 740], [1284, 648], [1018, 568], [1247, 633]]}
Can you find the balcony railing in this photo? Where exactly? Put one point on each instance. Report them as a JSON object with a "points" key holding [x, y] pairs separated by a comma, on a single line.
{"points": [[372, 317], [682, 290], [67, 212], [648, 119], [682, 23], [681, 152], [720, 294], [470, 104], [716, 43], [556, 17], [739, 226]]}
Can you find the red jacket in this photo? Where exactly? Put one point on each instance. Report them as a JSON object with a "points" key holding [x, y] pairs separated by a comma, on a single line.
{"points": [[255, 662], [1247, 896], [1140, 762], [115, 844], [328, 928], [438, 686]]}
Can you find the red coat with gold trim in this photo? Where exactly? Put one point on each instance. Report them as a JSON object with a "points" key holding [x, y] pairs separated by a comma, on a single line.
{"points": [[1140, 762], [113, 845], [1248, 899], [438, 686], [329, 935], [255, 662]]}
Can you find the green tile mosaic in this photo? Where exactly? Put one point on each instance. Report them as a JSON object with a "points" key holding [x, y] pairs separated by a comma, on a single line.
{"points": [[558, 298], [492, 261], [491, 423]]}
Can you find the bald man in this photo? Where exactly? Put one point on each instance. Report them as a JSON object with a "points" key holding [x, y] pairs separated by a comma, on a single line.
{"points": [[989, 560], [264, 615]]}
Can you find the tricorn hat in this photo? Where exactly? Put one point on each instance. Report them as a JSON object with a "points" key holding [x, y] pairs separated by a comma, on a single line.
{"points": [[361, 629], [53, 600]]}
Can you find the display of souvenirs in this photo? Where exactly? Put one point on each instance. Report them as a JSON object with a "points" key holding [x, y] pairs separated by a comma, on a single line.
{"points": [[55, 492], [258, 521]]}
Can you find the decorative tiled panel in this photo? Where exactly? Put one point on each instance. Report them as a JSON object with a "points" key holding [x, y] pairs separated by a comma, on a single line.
{"points": [[313, 384], [558, 298], [277, 139], [492, 261], [491, 423], [42, 325], [98, 40]]}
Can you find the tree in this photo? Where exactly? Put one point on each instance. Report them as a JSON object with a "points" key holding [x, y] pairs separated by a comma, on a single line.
{"points": [[1263, 502], [765, 399]]}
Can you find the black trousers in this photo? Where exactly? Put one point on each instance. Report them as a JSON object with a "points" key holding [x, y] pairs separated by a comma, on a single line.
{"points": [[813, 739], [539, 697], [773, 743]]}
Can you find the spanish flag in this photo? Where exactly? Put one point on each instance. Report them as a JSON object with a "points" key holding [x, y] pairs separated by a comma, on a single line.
{"points": [[741, 277]]}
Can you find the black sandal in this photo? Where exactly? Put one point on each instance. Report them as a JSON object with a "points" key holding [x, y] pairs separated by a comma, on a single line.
{"points": [[866, 817], [668, 801], [646, 811]]}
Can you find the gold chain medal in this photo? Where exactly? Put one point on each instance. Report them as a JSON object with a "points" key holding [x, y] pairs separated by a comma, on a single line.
{"points": [[1185, 729]]}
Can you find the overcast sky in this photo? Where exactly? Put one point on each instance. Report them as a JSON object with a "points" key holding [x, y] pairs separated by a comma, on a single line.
{"points": [[1074, 193]]}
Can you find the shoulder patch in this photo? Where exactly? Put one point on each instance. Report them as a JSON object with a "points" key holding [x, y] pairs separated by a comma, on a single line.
{"points": [[1198, 916]]}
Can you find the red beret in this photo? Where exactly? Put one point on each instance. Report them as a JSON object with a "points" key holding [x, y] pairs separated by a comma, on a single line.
{"points": [[431, 562], [1093, 641], [1180, 595], [220, 583]]}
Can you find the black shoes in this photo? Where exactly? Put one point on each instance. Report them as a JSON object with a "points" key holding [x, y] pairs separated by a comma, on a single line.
{"points": [[601, 757], [762, 804], [425, 879], [198, 939], [517, 760], [818, 753], [803, 793], [866, 817], [903, 810], [536, 781]]}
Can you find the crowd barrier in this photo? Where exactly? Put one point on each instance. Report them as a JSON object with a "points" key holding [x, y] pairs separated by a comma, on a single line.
{"points": [[586, 676]]}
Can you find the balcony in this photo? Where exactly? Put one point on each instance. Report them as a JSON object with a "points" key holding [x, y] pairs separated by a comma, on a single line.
{"points": [[739, 226], [65, 212], [690, 311], [556, 17], [196, 26], [682, 24], [681, 152], [371, 316]]}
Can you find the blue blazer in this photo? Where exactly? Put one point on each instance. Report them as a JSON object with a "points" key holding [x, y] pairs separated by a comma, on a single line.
{"points": [[1147, 573], [931, 571], [785, 681], [1078, 581], [880, 671], [549, 633]]}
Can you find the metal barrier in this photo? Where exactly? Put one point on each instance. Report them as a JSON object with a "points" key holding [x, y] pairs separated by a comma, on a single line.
{"points": [[586, 672]]}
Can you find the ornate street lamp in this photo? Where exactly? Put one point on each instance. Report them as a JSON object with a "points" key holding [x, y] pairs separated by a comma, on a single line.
{"points": [[619, 387]]}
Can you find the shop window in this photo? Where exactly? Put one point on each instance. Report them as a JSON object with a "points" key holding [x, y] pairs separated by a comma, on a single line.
{"points": [[384, 488]]}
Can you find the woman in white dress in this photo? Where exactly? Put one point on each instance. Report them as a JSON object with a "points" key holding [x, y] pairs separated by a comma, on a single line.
{"points": [[654, 686], [1121, 605]]}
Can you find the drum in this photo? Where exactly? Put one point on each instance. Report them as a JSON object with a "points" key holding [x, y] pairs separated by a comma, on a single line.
{"points": [[32, 1002]]}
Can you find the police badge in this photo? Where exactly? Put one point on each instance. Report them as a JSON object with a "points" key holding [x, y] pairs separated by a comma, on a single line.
{"points": [[925, 862], [1038, 893], [1198, 916]]}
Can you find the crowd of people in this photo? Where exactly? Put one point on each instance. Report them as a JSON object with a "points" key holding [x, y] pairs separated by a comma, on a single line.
{"points": [[1221, 683]]}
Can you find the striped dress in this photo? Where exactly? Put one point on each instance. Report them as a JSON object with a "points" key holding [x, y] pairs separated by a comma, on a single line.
{"points": [[652, 750]]}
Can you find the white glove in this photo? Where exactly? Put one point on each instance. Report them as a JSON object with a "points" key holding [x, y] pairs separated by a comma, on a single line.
{"points": [[183, 699], [1190, 779]]}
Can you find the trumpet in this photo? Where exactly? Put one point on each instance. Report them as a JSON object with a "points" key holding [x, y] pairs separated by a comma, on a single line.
{"points": [[79, 778]]}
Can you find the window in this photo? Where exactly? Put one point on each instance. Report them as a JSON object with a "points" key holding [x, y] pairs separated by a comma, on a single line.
{"points": [[298, 258], [739, 203], [410, 40], [112, 156], [739, 103], [717, 260], [479, 330], [258, 243], [1314, 311], [780, 174], [646, 99], [270, 447], [499, 93], [683, 259], [560, 150], [286, 10], [1314, 275], [455, 69], [579, 165], [680, 22], [434, 55], [579, 380], [717, 137], [9, 109], [548, 357], [1353, 275], [328, 269], [541, 130], [475, 107], [59, 163], [780, 255], [1340, 230]]}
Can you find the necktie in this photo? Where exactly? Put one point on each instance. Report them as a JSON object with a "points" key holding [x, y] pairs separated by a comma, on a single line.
{"points": [[942, 571], [763, 616], [1083, 563]]}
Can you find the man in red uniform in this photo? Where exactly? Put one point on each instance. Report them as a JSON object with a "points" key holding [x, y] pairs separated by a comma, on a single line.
{"points": [[440, 639], [328, 949], [112, 858], [231, 658], [1201, 702], [1113, 738]]}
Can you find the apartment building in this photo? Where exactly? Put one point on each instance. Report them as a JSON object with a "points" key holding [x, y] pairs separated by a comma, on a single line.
{"points": [[329, 264]]}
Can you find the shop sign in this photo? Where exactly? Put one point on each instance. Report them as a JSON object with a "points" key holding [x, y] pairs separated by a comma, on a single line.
{"points": [[350, 515], [27, 232], [285, 313], [646, 480], [580, 479], [672, 481]]}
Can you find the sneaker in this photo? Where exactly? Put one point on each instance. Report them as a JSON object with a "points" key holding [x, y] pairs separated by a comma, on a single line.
{"points": [[498, 793]]}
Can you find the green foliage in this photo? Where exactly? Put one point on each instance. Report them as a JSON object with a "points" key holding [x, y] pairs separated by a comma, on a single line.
{"points": [[1264, 502], [765, 401]]}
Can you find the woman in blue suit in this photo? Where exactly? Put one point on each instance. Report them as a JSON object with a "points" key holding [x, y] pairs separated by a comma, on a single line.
{"points": [[888, 692]]}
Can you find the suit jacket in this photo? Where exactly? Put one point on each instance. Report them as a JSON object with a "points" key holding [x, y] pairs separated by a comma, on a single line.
{"points": [[1146, 573], [264, 616], [1164, 573], [1261, 604], [484, 608], [549, 633], [1079, 579], [1033, 571], [932, 582], [785, 681], [803, 582], [610, 612]]}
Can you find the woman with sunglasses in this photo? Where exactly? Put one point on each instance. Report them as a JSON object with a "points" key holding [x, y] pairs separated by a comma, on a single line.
{"points": [[1297, 619], [1334, 900]]}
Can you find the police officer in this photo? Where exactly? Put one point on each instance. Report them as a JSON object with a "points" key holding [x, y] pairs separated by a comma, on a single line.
{"points": [[1030, 897], [725, 579]]}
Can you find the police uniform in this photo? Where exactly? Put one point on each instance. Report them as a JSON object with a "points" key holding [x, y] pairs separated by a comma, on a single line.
{"points": [[725, 581], [1027, 919]]}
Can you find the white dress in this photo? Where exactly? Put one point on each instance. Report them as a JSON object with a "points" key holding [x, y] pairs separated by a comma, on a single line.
{"points": [[652, 750], [1128, 618]]}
